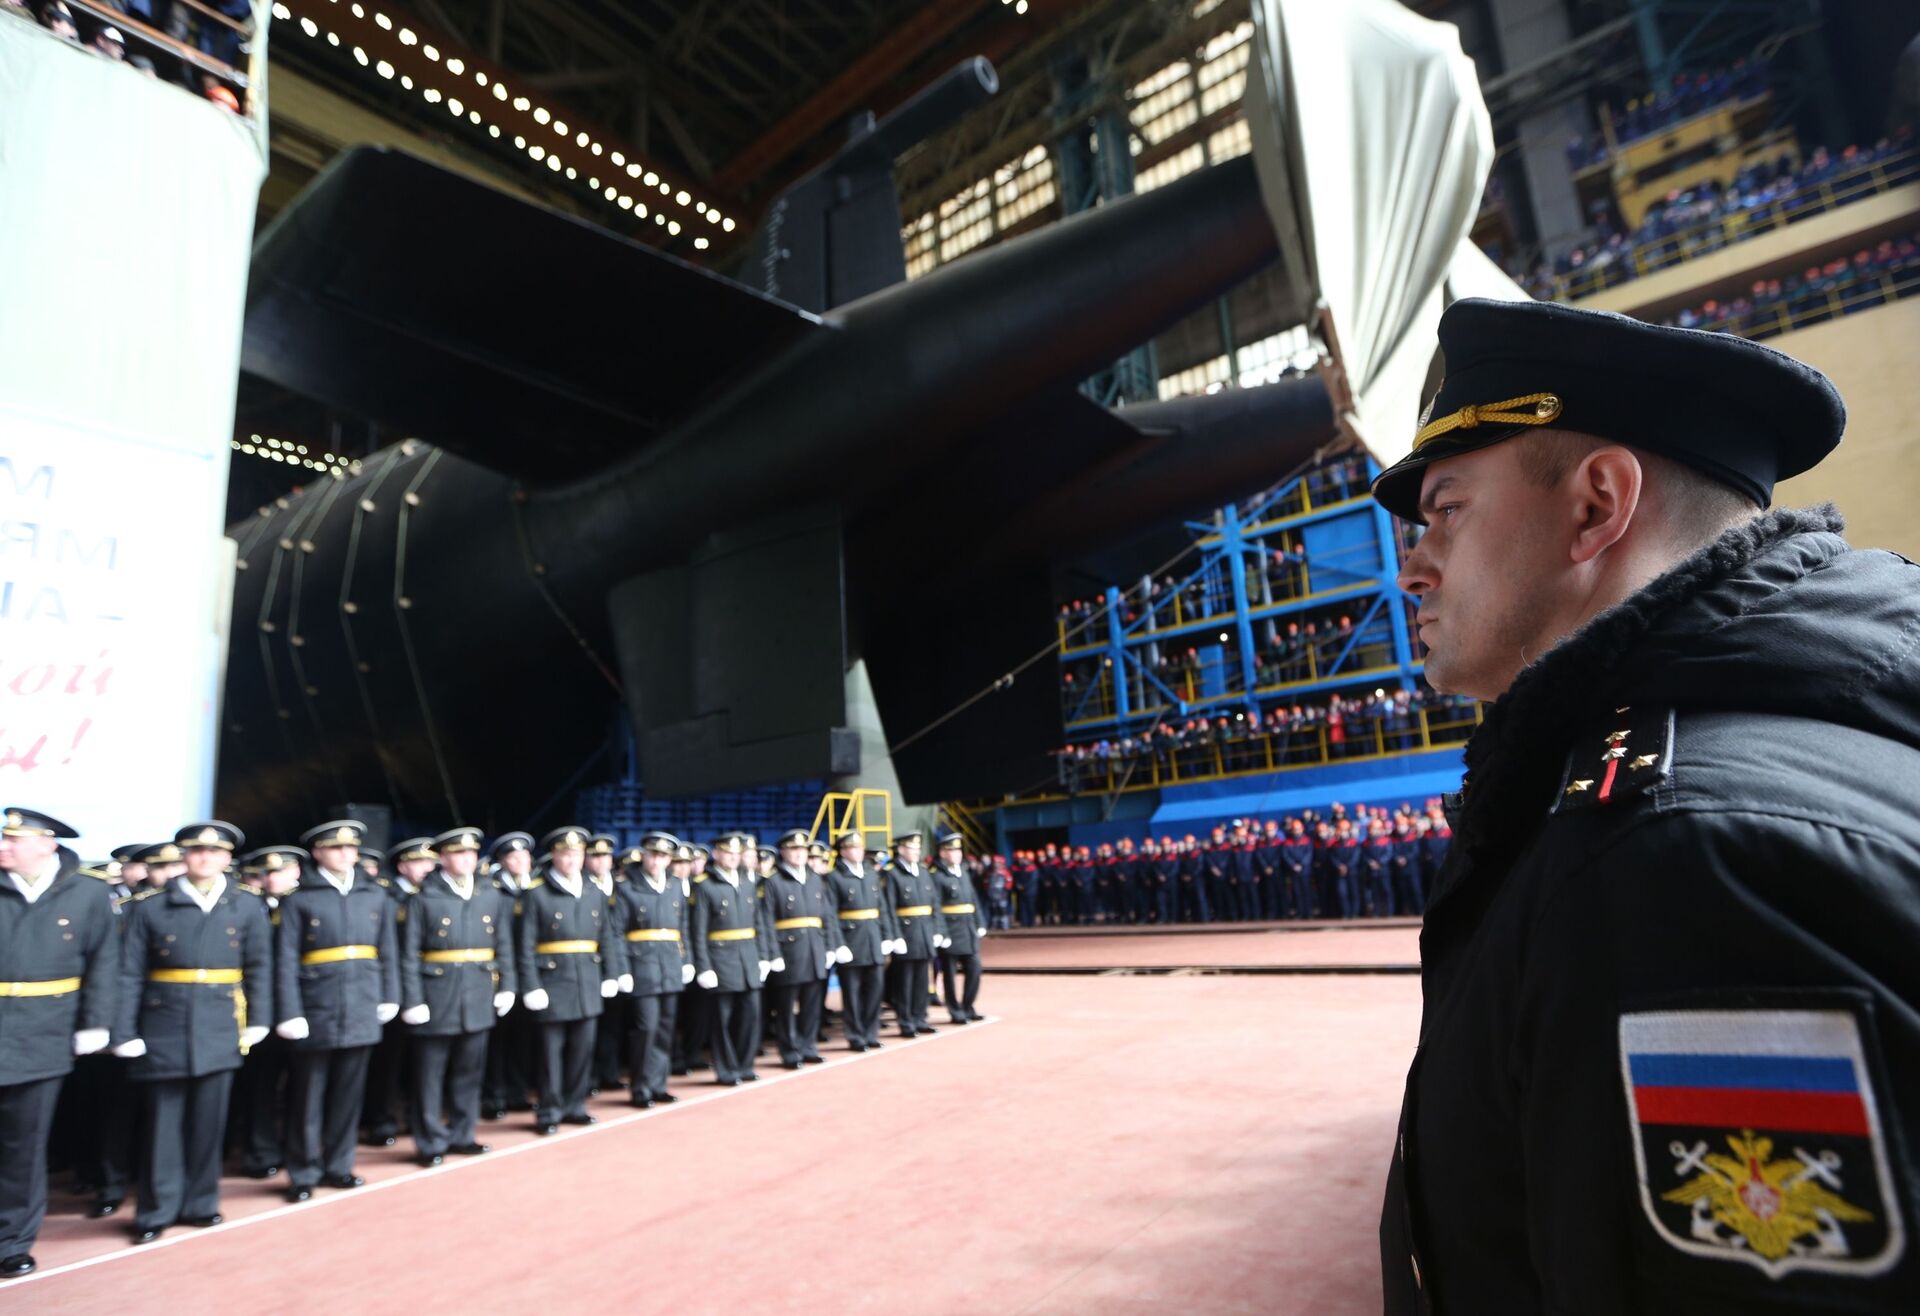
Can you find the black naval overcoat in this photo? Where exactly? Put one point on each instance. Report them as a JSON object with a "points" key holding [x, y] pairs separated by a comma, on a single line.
{"points": [[866, 915], [336, 961], [916, 905], [812, 927], [456, 954], [569, 946], [740, 915], [961, 916], [192, 1028], [1670, 1055], [657, 928], [64, 949]]}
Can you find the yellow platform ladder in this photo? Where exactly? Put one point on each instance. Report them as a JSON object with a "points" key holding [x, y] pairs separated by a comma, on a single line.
{"points": [[866, 810], [964, 821]]}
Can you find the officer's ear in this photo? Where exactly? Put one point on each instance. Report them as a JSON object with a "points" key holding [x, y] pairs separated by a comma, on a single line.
{"points": [[1605, 488]]}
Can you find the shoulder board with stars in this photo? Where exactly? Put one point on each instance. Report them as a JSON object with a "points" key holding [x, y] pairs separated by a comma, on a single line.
{"points": [[149, 893], [538, 881], [1628, 755]]}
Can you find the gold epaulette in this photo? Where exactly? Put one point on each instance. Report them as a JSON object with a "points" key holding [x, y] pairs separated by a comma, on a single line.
{"points": [[241, 886], [538, 881], [148, 894], [381, 881], [698, 878]]}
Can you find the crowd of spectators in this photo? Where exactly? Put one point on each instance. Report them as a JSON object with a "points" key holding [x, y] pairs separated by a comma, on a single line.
{"points": [[1327, 727], [1688, 95], [1839, 287], [1693, 222], [174, 19]]}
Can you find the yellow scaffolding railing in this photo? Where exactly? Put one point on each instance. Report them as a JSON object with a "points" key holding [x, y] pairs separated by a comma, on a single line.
{"points": [[846, 811], [962, 820]]}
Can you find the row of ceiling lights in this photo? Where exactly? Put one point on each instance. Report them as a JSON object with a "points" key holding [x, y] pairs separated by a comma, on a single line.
{"points": [[295, 454], [614, 191]]}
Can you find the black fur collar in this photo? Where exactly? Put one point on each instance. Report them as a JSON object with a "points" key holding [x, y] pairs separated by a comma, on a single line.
{"points": [[1514, 759]]}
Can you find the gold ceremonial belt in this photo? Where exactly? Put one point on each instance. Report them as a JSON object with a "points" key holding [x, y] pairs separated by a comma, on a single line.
{"points": [[654, 934], [224, 976], [334, 954], [566, 948], [914, 911], [807, 922], [732, 934], [51, 987], [956, 909], [476, 955], [859, 913]]}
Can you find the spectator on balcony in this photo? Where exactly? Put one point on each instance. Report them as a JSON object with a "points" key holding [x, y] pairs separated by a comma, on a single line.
{"points": [[109, 43], [58, 19], [144, 65]]}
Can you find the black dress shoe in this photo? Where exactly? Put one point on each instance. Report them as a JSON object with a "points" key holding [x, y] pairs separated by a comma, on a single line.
{"points": [[429, 1160], [789, 1064], [813, 1060], [678, 1071], [665, 1098], [203, 1221], [749, 1077], [641, 1103], [299, 1194], [856, 1046], [959, 1019], [906, 1032], [15, 1266], [262, 1172], [378, 1140], [342, 1181], [728, 1082], [926, 1028], [579, 1119], [101, 1210], [144, 1236], [546, 1130], [494, 1113], [875, 1044], [470, 1149]]}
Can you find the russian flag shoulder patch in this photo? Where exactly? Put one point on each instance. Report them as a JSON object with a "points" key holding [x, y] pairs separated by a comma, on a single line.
{"points": [[1759, 1141]]}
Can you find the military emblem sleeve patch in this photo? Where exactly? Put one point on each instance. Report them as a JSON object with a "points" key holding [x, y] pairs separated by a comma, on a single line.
{"points": [[1759, 1139]]}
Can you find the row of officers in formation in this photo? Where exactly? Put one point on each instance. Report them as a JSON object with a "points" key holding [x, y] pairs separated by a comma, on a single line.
{"points": [[1300, 867], [349, 1005]]}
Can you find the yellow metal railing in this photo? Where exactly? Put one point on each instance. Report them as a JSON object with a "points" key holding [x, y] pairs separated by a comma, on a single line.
{"points": [[1827, 304], [846, 811], [962, 820], [1309, 747], [1724, 230]]}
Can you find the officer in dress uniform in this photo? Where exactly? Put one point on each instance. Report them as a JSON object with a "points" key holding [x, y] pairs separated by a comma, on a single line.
{"points": [[868, 929], [196, 992], [616, 1020], [733, 954], [337, 982], [652, 915], [1671, 1041], [808, 943], [510, 1044], [257, 1101], [457, 977], [59, 990], [386, 1103], [964, 927], [695, 1024], [571, 962], [916, 905]]}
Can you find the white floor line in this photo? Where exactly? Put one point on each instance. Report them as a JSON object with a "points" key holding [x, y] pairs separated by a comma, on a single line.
{"points": [[330, 1197]]}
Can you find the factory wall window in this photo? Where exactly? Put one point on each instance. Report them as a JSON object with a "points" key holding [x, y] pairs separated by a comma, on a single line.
{"points": [[919, 242], [1223, 77], [1232, 140], [1207, 377], [1181, 162], [1163, 104], [966, 221], [1271, 358], [1020, 187]]}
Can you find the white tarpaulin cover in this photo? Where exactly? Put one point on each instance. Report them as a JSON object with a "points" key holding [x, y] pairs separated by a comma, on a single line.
{"points": [[1372, 144], [126, 218]]}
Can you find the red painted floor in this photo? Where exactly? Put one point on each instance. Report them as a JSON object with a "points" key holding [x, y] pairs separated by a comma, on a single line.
{"points": [[1154, 1145], [1396, 943]]}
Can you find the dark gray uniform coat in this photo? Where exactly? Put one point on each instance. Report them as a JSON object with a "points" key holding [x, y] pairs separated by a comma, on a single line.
{"points": [[339, 999], [192, 1029], [458, 994]]}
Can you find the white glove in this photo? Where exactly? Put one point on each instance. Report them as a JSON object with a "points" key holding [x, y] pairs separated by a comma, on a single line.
{"points": [[979, 934], [943, 942], [502, 1002], [765, 969], [253, 1036], [779, 964], [609, 988], [89, 1040], [294, 1030], [535, 999], [626, 982], [131, 1049], [686, 974], [709, 979], [843, 955], [386, 1010], [415, 1014]]}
